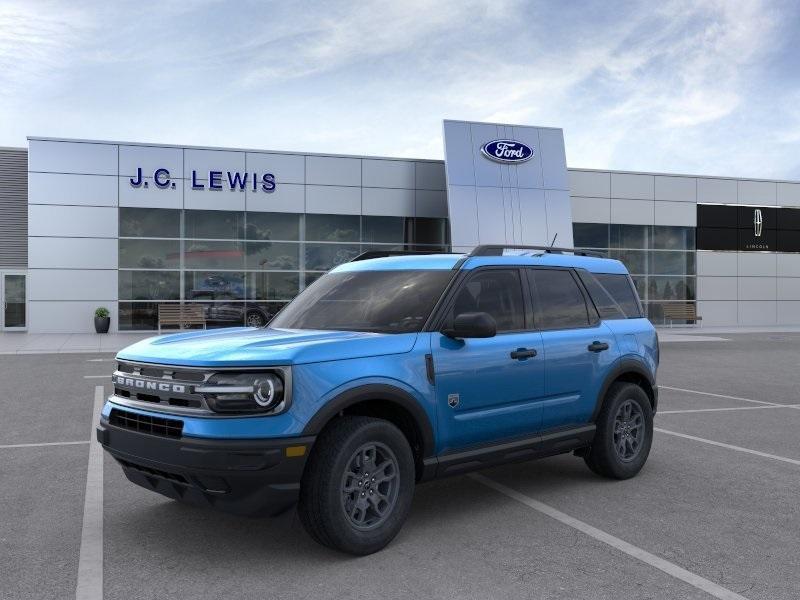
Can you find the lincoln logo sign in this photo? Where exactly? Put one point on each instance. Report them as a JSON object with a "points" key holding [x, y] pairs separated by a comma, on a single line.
{"points": [[758, 222], [213, 180], [507, 151]]}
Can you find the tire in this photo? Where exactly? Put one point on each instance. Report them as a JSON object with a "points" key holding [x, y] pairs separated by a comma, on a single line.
{"points": [[612, 454], [255, 319], [333, 502]]}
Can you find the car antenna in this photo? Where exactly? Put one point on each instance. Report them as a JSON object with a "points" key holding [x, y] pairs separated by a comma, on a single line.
{"points": [[553, 243]]}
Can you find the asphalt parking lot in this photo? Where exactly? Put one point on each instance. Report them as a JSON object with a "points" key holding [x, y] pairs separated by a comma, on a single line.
{"points": [[714, 513]]}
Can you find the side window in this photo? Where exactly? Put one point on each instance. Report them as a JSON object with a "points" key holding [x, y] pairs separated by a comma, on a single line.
{"points": [[607, 305], [559, 301], [497, 292], [620, 288]]}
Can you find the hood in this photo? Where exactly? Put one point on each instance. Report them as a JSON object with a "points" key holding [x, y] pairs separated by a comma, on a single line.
{"points": [[247, 346]]}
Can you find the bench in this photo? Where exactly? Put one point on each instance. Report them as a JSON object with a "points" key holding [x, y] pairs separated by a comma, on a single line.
{"points": [[683, 311], [181, 315]]}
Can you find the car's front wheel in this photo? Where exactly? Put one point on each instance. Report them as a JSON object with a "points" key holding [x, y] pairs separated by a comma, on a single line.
{"points": [[357, 487], [624, 433]]}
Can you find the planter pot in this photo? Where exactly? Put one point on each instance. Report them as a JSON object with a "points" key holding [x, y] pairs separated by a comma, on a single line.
{"points": [[101, 324]]}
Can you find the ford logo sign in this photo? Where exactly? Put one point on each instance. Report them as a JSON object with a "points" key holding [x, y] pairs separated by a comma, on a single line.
{"points": [[507, 151]]}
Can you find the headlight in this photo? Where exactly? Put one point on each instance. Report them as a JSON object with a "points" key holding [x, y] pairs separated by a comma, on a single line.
{"points": [[244, 392]]}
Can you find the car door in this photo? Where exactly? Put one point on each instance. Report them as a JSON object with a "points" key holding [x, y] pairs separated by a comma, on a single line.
{"points": [[578, 347], [488, 389]]}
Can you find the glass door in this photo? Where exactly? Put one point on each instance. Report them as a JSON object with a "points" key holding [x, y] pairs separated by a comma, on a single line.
{"points": [[12, 291]]}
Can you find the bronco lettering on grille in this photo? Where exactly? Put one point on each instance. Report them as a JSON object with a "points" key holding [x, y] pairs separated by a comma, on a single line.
{"points": [[144, 384]]}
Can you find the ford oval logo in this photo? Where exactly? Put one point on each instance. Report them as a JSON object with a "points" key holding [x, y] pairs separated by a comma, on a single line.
{"points": [[507, 151]]}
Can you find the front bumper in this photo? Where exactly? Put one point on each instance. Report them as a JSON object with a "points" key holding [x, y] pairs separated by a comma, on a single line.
{"points": [[246, 477]]}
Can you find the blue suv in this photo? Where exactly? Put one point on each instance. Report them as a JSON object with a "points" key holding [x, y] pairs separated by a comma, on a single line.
{"points": [[390, 371]]}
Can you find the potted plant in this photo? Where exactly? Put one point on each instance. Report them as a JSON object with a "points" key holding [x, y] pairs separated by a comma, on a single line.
{"points": [[101, 320]]}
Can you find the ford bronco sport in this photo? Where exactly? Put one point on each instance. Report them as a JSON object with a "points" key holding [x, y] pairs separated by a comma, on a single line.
{"points": [[390, 371]]}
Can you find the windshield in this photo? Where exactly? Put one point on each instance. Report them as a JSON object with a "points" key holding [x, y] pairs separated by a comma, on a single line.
{"points": [[380, 301]]}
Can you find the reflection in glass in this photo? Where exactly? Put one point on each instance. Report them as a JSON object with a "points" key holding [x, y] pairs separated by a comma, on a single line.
{"points": [[149, 222], [205, 285], [629, 236], [672, 263], [149, 254], [272, 226], [149, 285], [634, 260], [385, 229], [321, 257], [429, 230], [670, 288], [13, 301], [333, 228], [214, 224], [272, 255], [213, 255], [272, 286], [590, 235], [135, 316], [673, 238]]}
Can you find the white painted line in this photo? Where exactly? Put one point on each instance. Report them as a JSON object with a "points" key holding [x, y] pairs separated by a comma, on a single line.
{"points": [[791, 461], [675, 389], [97, 377], [100, 359], [671, 569], [44, 444], [90, 562], [702, 410]]}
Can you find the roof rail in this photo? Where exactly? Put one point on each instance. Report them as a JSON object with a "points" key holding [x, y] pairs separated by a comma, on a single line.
{"points": [[497, 250], [384, 253]]}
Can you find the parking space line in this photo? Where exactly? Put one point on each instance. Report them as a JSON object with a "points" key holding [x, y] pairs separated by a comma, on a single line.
{"points": [[90, 561], [97, 377], [44, 444], [671, 569], [701, 410], [675, 389], [791, 461]]}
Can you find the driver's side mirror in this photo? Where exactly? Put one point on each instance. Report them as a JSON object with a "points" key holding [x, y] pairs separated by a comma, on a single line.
{"points": [[472, 325]]}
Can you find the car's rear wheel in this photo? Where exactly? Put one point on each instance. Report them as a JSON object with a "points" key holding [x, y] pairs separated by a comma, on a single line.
{"points": [[255, 319], [357, 487], [624, 433]]}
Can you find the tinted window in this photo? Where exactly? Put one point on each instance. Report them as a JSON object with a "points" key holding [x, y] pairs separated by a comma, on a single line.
{"points": [[496, 292], [214, 224], [379, 301], [149, 222], [612, 295], [560, 303]]}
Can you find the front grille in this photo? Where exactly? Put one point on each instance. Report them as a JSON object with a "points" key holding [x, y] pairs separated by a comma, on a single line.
{"points": [[172, 428], [161, 386]]}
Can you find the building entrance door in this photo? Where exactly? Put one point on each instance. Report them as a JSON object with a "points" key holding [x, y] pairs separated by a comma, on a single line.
{"points": [[14, 314]]}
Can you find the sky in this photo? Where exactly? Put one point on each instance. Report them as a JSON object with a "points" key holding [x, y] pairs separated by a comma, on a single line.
{"points": [[698, 87]]}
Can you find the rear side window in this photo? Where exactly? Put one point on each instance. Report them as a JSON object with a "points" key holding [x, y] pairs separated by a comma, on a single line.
{"points": [[559, 301], [497, 292], [613, 295]]}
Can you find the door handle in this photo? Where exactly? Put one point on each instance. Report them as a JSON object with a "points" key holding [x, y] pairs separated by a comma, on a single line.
{"points": [[597, 346], [523, 353]]}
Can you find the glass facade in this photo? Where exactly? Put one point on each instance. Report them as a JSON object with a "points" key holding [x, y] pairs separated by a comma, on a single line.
{"points": [[244, 266], [661, 259]]}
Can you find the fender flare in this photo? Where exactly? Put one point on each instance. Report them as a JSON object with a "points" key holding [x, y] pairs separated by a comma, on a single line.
{"points": [[622, 367], [375, 391]]}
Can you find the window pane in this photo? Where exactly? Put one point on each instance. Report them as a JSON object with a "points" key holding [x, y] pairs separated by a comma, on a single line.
{"points": [[149, 254], [495, 292], [272, 255], [149, 285], [272, 286], [210, 285], [629, 236], [333, 228], [672, 263], [634, 260], [560, 303], [149, 222], [670, 288], [134, 316], [358, 301], [673, 238], [619, 287], [321, 257], [430, 231], [590, 235], [214, 224], [213, 255], [385, 229], [273, 226]]}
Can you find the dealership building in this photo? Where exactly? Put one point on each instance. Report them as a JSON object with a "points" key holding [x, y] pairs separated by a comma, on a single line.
{"points": [[137, 227]]}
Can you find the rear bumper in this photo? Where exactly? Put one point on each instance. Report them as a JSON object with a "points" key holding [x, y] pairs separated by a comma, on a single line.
{"points": [[246, 477]]}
